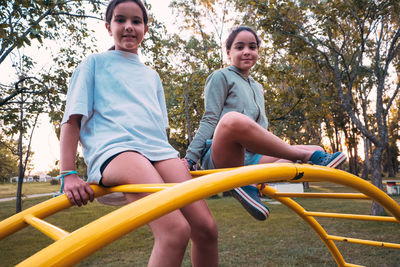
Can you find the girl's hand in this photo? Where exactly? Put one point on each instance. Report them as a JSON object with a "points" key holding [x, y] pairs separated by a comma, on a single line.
{"points": [[260, 188], [77, 191]]}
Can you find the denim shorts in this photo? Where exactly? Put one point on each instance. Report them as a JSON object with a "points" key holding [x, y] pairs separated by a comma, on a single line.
{"points": [[207, 162]]}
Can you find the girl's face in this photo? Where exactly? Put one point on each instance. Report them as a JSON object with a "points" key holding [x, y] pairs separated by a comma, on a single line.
{"points": [[244, 52], [127, 27]]}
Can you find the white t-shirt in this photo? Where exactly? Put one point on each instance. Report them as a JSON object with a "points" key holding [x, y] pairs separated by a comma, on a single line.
{"points": [[123, 107]]}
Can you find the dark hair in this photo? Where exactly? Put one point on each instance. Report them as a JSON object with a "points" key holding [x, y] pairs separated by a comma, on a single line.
{"points": [[110, 10], [113, 3], [236, 31]]}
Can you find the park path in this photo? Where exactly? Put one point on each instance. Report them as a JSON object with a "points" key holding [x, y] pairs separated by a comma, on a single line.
{"points": [[29, 196]]}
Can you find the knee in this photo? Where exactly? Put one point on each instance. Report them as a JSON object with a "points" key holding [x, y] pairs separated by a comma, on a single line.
{"points": [[235, 122], [180, 234], [205, 232], [175, 235]]}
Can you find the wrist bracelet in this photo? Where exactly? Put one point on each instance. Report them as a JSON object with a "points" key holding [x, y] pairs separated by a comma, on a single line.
{"points": [[64, 172], [62, 175]]}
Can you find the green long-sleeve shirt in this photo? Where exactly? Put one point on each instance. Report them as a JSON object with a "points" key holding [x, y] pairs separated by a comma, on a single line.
{"points": [[227, 90]]}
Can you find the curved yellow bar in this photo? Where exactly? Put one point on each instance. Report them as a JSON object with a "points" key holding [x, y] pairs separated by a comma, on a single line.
{"points": [[81, 243], [41, 210], [314, 173], [312, 222]]}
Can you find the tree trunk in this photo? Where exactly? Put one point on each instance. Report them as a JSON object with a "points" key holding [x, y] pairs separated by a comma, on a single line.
{"points": [[376, 209], [356, 166], [188, 122], [21, 172], [389, 162], [337, 141], [367, 162]]}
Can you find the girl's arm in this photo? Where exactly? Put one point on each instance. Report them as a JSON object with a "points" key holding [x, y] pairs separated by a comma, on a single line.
{"points": [[77, 191], [216, 92]]}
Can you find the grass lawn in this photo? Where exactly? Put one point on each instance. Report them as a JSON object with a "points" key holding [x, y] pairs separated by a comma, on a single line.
{"points": [[10, 190], [283, 240]]}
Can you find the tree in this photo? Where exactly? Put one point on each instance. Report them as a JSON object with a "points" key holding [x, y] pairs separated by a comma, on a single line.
{"points": [[8, 160], [27, 94], [54, 172], [195, 53], [392, 152], [349, 38], [80, 164]]}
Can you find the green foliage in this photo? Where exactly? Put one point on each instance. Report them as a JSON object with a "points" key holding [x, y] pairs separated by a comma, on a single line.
{"points": [[54, 172], [352, 43], [81, 166], [54, 181], [8, 161], [42, 24], [29, 92], [191, 56]]}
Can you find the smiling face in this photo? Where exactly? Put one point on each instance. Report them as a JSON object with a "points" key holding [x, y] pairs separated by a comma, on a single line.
{"points": [[243, 52], [127, 27]]}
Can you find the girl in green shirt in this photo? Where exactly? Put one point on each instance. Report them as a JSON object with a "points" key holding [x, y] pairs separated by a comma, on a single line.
{"points": [[233, 130]]}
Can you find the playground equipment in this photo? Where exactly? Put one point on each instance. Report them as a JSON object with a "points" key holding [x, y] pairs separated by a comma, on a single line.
{"points": [[70, 248]]}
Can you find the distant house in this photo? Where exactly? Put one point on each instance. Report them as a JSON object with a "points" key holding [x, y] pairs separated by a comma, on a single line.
{"points": [[42, 178], [45, 178], [26, 179]]}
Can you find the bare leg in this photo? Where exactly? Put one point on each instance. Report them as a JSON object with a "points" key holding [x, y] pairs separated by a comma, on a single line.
{"points": [[269, 159], [172, 231], [204, 233], [236, 132]]}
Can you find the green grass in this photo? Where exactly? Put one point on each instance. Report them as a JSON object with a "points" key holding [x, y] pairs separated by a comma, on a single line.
{"points": [[10, 190], [283, 240]]}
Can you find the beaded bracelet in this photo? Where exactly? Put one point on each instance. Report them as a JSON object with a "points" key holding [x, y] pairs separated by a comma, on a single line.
{"points": [[62, 175]]}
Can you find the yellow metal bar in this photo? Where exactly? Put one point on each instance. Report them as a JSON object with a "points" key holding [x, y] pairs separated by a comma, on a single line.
{"points": [[364, 242], [269, 191], [200, 173], [140, 188], [351, 216], [323, 195], [316, 173], [88, 239], [42, 210], [48, 229], [54, 205]]}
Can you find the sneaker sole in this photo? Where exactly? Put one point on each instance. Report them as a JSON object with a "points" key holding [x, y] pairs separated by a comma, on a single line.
{"points": [[255, 209], [337, 161]]}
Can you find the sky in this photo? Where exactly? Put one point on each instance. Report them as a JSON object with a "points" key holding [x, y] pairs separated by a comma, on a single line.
{"points": [[45, 144]]}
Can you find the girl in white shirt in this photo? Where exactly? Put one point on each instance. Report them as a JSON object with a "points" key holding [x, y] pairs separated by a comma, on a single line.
{"points": [[116, 108]]}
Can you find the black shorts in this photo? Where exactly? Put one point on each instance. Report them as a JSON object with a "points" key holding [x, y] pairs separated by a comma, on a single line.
{"points": [[105, 164]]}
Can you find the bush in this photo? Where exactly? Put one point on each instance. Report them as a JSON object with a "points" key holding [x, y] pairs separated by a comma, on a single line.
{"points": [[54, 181]]}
